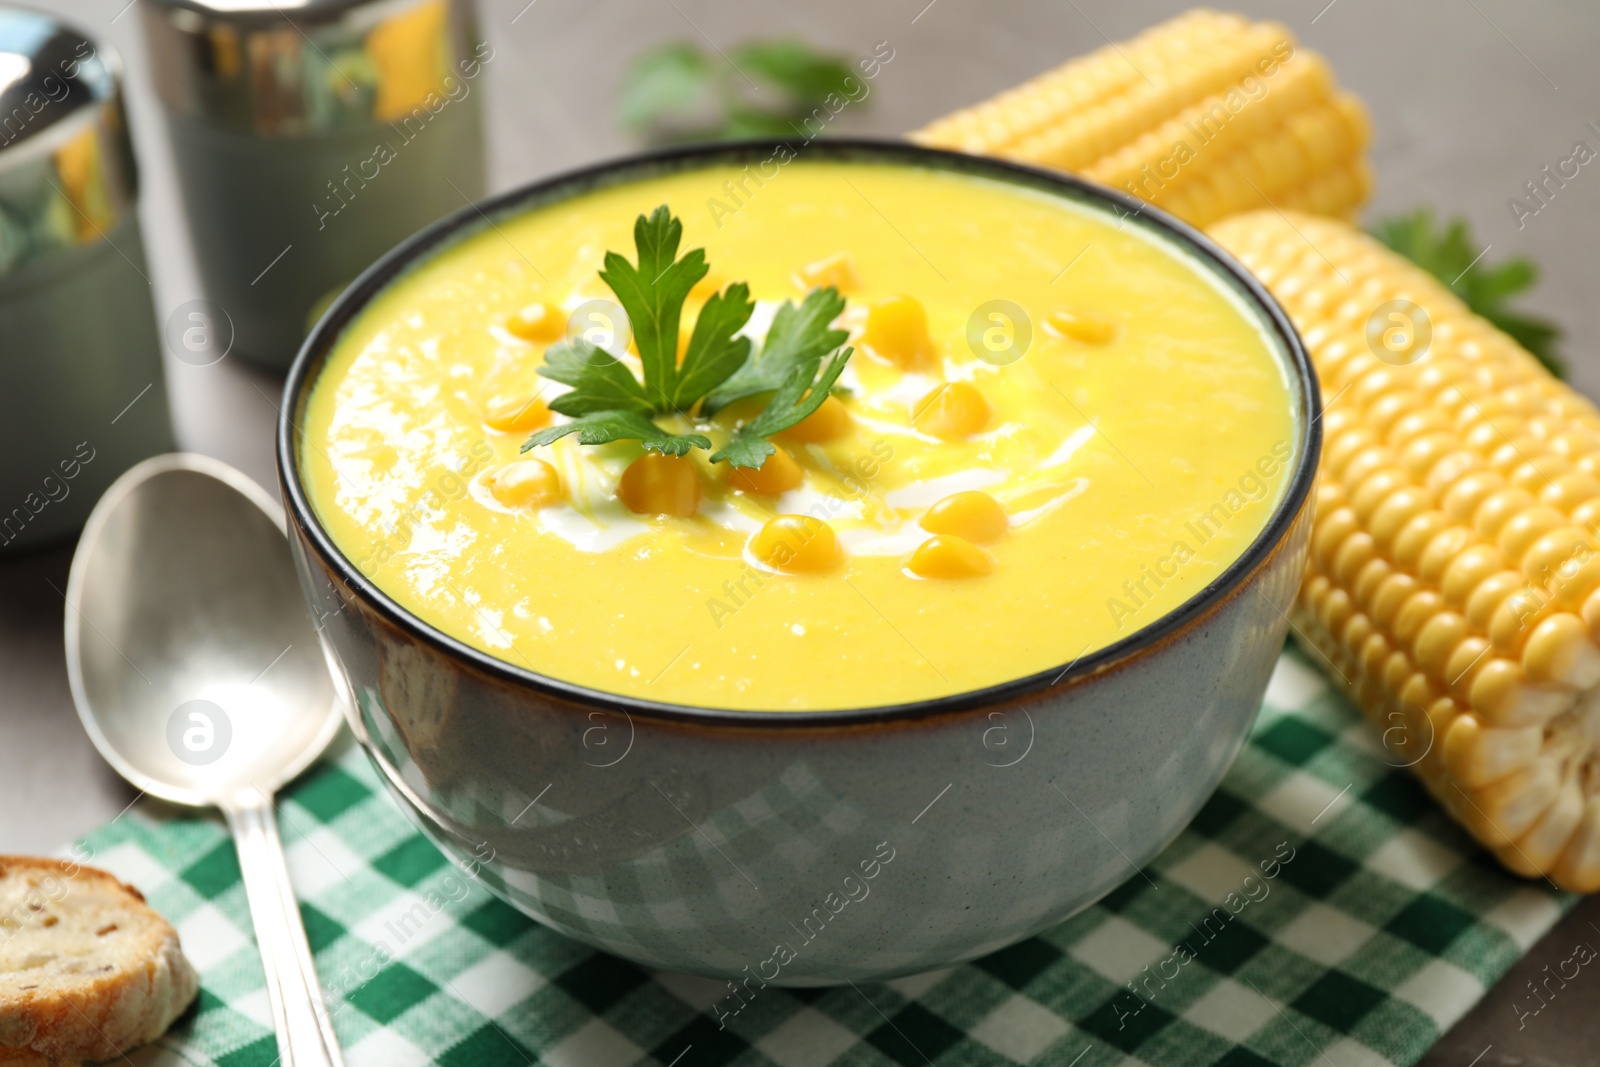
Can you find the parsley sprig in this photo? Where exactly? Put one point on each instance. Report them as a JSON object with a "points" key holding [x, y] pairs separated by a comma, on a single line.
{"points": [[681, 92], [797, 365]]}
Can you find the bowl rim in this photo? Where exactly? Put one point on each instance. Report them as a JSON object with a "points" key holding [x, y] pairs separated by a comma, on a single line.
{"points": [[481, 215]]}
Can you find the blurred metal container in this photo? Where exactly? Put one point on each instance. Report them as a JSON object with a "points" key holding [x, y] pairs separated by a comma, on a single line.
{"points": [[81, 391], [311, 136]]}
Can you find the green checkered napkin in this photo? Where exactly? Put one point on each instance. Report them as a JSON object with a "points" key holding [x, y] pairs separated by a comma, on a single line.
{"points": [[1385, 926]]}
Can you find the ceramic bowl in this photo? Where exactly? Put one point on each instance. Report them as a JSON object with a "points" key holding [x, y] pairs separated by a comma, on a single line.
{"points": [[808, 848]]}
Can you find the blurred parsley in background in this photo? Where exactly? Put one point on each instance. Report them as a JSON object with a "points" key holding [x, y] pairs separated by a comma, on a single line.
{"points": [[680, 92], [1447, 250]]}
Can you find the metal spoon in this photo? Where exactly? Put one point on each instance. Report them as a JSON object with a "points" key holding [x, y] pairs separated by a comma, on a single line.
{"points": [[197, 673]]}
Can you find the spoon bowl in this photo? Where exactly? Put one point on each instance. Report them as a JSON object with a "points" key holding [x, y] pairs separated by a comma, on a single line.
{"points": [[194, 664], [198, 675]]}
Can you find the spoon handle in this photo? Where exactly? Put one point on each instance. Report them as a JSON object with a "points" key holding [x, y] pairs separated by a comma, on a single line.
{"points": [[304, 1027]]}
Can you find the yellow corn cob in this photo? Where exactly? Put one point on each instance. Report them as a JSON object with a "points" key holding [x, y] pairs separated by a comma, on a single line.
{"points": [[1205, 115], [1454, 580]]}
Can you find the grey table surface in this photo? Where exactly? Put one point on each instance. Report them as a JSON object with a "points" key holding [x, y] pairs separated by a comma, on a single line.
{"points": [[1470, 99]]}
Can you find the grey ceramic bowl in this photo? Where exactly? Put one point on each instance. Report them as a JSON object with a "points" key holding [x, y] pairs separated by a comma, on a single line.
{"points": [[807, 848]]}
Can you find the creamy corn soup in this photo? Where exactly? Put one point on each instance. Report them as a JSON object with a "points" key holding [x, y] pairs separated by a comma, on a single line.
{"points": [[1053, 430]]}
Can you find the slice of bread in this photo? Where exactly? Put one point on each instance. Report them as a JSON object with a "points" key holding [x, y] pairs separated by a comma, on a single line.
{"points": [[87, 969]]}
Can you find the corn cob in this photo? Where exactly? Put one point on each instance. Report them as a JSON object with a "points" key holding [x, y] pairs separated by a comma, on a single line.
{"points": [[1205, 115], [1454, 580]]}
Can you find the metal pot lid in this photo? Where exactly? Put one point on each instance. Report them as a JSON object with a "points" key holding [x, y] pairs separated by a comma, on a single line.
{"points": [[66, 164], [270, 11], [296, 68], [48, 71]]}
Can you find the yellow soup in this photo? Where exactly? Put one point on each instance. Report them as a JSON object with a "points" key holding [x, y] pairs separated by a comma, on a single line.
{"points": [[1054, 430]]}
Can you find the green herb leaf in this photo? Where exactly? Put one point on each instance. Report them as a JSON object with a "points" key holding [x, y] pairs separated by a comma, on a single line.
{"points": [[673, 85], [652, 293], [603, 427], [1451, 254], [607, 403], [799, 338], [752, 123], [714, 352], [600, 382], [744, 449], [793, 67], [797, 398], [681, 92]]}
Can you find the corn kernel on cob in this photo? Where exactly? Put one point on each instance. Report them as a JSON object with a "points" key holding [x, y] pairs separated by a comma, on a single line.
{"points": [[1454, 579], [1206, 115]]}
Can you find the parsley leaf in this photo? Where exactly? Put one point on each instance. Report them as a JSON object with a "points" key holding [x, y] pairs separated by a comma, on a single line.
{"points": [[652, 293], [800, 336], [1449, 252], [797, 398], [795, 69], [603, 427], [600, 382], [744, 450], [679, 91], [676, 84], [714, 352]]}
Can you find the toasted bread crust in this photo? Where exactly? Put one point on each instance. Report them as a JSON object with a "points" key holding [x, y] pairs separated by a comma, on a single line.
{"points": [[87, 969], [28, 1058]]}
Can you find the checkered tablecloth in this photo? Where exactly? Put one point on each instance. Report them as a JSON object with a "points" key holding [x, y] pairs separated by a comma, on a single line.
{"points": [[1385, 926]]}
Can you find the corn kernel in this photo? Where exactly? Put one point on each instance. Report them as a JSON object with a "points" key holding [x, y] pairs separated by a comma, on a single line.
{"points": [[974, 515], [955, 409], [829, 421], [1541, 846], [837, 271], [1374, 573], [1560, 652], [796, 543], [526, 483], [949, 556], [516, 413], [1579, 866], [897, 330], [1469, 570], [1084, 326], [1391, 595], [1508, 807], [537, 322], [1437, 640], [1477, 755], [779, 474], [658, 484], [1422, 606]]}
